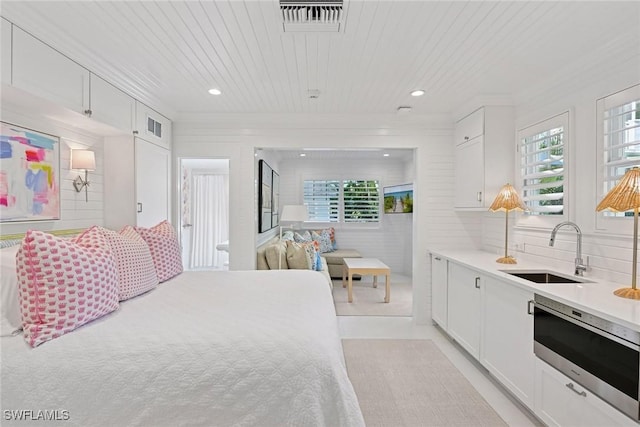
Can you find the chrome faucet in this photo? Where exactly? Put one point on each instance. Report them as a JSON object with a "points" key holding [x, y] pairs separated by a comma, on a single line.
{"points": [[580, 267]]}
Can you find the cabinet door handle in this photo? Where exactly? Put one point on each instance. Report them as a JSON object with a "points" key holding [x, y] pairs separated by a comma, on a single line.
{"points": [[477, 283], [479, 196], [530, 304], [139, 207], [573, 389], [438, 258]]}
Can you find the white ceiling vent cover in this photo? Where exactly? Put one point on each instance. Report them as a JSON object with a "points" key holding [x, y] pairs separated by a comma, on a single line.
{"points": [[312, 16]]}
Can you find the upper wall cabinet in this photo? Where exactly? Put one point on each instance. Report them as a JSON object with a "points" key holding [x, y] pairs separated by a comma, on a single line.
{"points": [[110, 105], [5, 71], [152, 126], [43, 71], [484, 156]]}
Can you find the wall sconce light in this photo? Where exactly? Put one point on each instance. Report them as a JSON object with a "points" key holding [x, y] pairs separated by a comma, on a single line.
{"points": [[83, 159]]}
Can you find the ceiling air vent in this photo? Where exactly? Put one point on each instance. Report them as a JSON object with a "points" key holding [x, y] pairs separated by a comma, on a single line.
{"points": [[312, 16]]}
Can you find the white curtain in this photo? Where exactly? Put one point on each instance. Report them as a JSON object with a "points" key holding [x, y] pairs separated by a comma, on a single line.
{"points": [[210, 214]]}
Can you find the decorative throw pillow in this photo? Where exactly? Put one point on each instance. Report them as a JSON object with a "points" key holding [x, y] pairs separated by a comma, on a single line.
{"points": [[165, 249], [287, 235], [272, 252], [301, 256], [136, 272], [302, 238], [64, 284], [324, 241], [332, 235]]}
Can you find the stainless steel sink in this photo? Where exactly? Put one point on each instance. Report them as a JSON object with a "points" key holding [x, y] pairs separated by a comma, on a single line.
{"points": [[544, 276]]}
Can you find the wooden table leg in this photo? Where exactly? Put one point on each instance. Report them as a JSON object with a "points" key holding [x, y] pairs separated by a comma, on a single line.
{"points": [[350, 286], [387, 291], [375, 281], [344, 277]]}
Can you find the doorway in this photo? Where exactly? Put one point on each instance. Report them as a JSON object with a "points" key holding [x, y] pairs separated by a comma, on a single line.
{"points": [[204, 213]]}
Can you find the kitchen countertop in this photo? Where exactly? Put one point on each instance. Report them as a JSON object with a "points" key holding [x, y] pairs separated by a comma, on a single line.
{"points": [[596, 297]]}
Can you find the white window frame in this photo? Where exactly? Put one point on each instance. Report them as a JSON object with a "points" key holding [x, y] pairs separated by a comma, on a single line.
{"points": [[341, 206], [605, 222], [526, 220]]}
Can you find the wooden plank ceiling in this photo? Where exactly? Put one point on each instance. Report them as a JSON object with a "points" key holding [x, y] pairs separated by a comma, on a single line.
{"points": [[170, 53]]}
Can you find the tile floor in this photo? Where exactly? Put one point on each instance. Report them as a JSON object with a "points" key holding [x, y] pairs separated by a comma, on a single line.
{"points": [[405, 328]]}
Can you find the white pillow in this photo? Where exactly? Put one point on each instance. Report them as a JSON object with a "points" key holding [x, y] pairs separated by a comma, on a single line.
{"points": [[9, 301]]}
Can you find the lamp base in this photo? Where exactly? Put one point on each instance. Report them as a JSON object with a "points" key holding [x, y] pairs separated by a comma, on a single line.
{"points": [[630, 293], [507, 260]]}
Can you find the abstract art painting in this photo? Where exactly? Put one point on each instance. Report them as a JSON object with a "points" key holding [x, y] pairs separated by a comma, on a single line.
{"points": [[29, 174]]}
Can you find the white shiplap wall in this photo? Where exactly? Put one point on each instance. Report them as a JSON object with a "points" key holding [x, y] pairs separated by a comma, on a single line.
{"points": [[609, 255], [75, 212], [387, 240]]}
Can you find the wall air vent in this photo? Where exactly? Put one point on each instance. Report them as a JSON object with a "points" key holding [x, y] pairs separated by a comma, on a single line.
{"points": [[312, 16]]}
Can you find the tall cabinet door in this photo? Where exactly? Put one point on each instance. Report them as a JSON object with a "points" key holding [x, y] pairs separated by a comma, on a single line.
{"points": [[463, 301], [153, 174]]}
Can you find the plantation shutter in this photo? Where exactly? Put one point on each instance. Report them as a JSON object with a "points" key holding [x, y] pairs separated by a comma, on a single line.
{"points": [[542, 173], [322, 198], [621, 139], [361, 201]]}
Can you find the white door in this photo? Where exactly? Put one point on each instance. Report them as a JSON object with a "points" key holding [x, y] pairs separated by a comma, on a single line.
{"points": [[153, 174], [204, 213]]}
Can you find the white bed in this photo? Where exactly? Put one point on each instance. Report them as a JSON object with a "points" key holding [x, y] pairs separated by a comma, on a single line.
{"points": [[205, 348]]}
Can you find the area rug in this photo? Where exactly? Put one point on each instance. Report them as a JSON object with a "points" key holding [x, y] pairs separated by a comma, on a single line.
{"points": [[369, 301], [412, 383]]}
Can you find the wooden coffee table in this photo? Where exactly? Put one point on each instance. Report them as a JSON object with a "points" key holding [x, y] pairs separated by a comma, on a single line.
{"points": [[364, 267]]}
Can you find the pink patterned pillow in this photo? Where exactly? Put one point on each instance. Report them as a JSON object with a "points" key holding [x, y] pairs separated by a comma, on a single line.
{"points": [[165, 249], [136, 272], [64, 284]]}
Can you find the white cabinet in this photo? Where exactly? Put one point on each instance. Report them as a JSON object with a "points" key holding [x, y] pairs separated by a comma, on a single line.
{"points": [[137, 182], [152, 126], [560, 401], [153, 166], [484, 153], [439, 290], [463, 317], [110, 105], [45, 72], [507, 338], [5, 71]]}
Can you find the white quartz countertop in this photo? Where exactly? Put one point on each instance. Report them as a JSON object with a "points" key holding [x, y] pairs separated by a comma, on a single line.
{"points": [[596, 297]]}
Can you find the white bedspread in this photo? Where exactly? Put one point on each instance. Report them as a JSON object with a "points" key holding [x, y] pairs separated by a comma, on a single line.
{"points": [[205, 348]]}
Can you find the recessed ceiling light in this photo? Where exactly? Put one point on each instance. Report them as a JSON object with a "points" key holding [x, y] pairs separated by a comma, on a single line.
{"points": [[418, 92], [215, 91], [386, 154], [303, 155]]}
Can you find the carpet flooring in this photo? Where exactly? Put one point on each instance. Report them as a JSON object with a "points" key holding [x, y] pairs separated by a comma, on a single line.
{"points": [[412, 383], [369, 301]]}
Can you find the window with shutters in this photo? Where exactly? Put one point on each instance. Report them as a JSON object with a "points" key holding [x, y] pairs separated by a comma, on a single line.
{"points": [[618, 146], [322, 198], [361, 201], [543, 175], [349, 201]]}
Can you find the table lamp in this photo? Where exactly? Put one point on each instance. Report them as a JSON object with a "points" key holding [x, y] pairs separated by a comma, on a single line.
{"points": [[624, 197], [507, 200]]}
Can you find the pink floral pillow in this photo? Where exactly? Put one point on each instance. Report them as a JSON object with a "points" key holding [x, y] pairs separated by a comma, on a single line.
{"points": [[165, 249], [136, 272], [63, 284]]}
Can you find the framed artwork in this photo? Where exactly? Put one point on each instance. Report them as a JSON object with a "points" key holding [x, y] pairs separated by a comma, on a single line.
{"points": [[275, 200], [29, 174], [398, 199], [265, 186]]}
